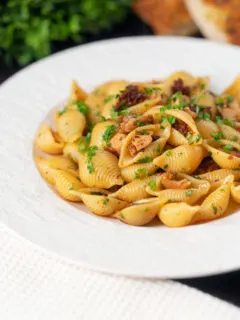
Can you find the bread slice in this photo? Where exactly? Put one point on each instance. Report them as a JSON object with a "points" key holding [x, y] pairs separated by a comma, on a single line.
{"points": [[165, 17], [217, 19]]}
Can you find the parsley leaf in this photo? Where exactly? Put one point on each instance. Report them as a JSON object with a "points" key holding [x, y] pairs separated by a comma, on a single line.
{"points": [[108, 133], [152, 184], [90, 154], [145, 160], [227, 148], [188, 193], [214, 208], [217, 136], [60, 113], [109, 98]]}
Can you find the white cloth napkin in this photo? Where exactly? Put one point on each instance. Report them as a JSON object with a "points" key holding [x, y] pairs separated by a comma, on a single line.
{"points": [[37, 285]]}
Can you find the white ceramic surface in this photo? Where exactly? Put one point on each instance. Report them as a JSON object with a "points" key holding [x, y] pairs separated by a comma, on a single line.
{"points": [[29, 207]]}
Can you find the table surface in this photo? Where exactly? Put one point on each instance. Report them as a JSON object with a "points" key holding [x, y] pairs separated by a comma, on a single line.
{"points": [[226, 286]]}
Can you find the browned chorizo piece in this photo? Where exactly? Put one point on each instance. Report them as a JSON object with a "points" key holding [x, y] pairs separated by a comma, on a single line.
{"points": [[131, 96]]}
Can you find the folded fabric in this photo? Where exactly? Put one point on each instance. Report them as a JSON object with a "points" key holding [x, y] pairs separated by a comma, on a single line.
{"points": [[38, 285]]}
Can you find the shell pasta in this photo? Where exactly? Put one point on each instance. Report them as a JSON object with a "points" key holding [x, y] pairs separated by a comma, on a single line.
{"points": [[165, 150]]}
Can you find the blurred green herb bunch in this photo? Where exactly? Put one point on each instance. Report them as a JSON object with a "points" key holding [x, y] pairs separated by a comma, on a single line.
{"points": [[28, 28]]}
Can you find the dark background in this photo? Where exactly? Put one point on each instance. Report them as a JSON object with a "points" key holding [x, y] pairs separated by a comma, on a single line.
{"points": [[227, 286]]}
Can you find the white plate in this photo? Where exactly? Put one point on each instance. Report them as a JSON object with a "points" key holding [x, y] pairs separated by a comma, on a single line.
{"points": [[33, 210]]}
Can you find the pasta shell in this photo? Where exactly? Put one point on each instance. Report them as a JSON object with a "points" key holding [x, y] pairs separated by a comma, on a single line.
{"points": [[234, 88], [198, 189], [206, 128], [46, 141], [99, 202], [71, 150], [207, 99], [70, 125], [77, 93], [65, 183], [106, 172], [134, 190], [97, 138], [176, 138], [217, 177], [235, 192], [230, 133], [177, 215], [140, 213], [216, 203], [223, 159], [151, 151], [185, 158], [48, 166], [94, 104], [187, 78], [155, 112], [138, 169]]}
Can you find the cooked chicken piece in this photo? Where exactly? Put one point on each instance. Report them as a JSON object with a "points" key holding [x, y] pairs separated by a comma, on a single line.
{"points": [[182, 127], [168, 182], [130, 123], [138, 143], [117, 141]]}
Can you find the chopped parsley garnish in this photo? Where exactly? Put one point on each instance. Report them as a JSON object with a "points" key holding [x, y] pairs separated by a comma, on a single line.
{"points": [[152, 184], [105, 201], [188, 193], [197, 177], [144, 132], [170, 119], [81, 106], [139, 123], [165, 166], [157, 149], [227, 148], [217, 136], [96, 193], [198, 138], [235, 138], [202, 86], [90, 154], [108, 133], [114, 114], [60, 113], [168, 153], [151, 90], [109, 98], [121, 215], [70, 186], [102, 119], [229, 122], [145, 160], [141, 172], [214, 208], [229, 99], [220, 101], [84, 142], [209, 153], [189, 135]]}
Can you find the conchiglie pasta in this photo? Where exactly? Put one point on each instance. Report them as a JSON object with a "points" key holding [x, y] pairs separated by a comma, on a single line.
{"points": [[140, 213], [234, 88], [65, 183], [235, 192], [221, 153], [70, 125], [94, 104], [155, 112], [230, 133], [139, 170], [46, 141], [206, 128], [77, 93], [99, 202], [105, 172], [185, 158], [48, 166], [71, 150], [134, 190], [191, 194], [150, 151], [216, 203], [217, 177], [177, 215], [99, 137], [177, 138]]}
